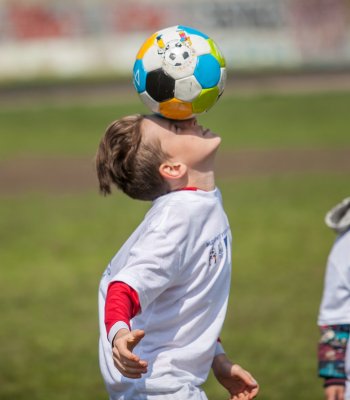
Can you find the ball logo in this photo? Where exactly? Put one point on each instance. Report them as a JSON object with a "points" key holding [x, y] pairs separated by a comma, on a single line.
{"points": [[177, 54]]}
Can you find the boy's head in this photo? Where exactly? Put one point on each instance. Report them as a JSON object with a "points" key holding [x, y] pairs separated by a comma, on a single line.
{"points": [[148, 156]]}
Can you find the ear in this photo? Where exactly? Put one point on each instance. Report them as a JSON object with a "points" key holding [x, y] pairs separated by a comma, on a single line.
{"points": [[172, 170]]}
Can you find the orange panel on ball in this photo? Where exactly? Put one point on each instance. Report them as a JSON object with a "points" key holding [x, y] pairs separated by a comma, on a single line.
{"points": [[148, 43], [176, 109]]}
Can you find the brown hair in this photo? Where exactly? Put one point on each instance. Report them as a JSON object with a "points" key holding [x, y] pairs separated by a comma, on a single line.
{"points": [[125, 160]]}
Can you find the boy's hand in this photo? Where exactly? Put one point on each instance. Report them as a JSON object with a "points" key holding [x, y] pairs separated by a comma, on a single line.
{"points": [[128, 363], [334, 392], [239, 382]]}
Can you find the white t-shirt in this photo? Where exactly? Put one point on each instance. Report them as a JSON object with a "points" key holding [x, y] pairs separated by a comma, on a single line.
{"points": [[179, 262], [335, 304]]}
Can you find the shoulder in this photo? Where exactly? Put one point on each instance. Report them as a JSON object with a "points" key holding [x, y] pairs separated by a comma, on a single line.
{"points": [[340, 252], [185, 205], [169, 213], [175, 210], [342, 242]]}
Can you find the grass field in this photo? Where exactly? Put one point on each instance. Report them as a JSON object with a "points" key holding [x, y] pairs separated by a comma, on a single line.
{"points": [[54, 248], [264, 121]]}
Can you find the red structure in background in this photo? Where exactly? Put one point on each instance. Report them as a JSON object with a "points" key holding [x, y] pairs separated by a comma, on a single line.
{"points": [[135, 17], [319, 26], [22, 21], [258, 34], [36, 21]]}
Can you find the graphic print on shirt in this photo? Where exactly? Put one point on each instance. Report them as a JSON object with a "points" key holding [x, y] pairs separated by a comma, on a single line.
{"points": [[107, 271], [216, 248]]}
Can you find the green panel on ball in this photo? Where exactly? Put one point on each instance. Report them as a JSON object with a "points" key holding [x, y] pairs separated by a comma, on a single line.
{"points": [[205, 100], [214, 50]]}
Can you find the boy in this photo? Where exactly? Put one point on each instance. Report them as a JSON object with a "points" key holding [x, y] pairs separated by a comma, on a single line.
{"points": [[334, 314], [163, 297]]}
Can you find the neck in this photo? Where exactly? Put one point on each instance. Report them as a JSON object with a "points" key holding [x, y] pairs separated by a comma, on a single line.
{"points": [[196, 179], [200, 176], [202, 181]]}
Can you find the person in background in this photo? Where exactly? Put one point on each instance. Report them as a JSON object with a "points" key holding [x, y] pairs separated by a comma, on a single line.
{"points": [[334, 313]]}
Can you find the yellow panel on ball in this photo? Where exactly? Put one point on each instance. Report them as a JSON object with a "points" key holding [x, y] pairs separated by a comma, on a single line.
{"points": [[205, 100], [176, 109], [215, 51], [148, 43]]}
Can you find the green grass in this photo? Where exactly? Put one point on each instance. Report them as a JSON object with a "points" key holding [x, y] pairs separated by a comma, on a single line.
{"points": [[53, 253], [275, 121], [265, 121], [55, 248]]}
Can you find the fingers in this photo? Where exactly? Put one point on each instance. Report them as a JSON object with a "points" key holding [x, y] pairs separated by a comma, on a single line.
{"points": [[248, 394], [241, 396], [254, 392], [245, 376], [128, 363], [130, 369], [249, 387], [245, 395]]}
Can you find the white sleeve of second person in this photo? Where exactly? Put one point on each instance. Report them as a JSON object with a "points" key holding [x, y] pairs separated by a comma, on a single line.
{"points": [[335, 304]]}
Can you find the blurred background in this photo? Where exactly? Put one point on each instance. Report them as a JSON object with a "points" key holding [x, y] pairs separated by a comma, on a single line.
{"points": [[46, 38], [65, 74]]}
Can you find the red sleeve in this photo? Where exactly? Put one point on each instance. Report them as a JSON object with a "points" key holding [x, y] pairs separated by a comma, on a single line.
{"points": [[122, 304]]}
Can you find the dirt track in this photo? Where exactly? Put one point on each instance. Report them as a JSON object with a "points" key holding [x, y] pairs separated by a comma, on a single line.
{"points": [[73, 175], [70, 175]]}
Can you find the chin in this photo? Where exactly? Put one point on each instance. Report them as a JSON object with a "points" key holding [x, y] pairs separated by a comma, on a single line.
{"points": [[217, 139], [215, 145]]}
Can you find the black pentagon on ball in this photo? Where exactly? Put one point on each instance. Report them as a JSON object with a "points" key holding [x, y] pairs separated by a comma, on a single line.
{"points": [[159, 85]]}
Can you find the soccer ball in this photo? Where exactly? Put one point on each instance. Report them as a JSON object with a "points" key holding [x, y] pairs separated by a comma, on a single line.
{"points": [[179, 72]]}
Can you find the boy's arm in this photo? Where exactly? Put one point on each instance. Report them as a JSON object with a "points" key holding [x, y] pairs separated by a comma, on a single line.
{"points": [[122, 304], [239, 382]]}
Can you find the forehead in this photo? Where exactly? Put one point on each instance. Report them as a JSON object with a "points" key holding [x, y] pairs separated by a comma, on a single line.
{"points": [[155, 122], [153, 127]]}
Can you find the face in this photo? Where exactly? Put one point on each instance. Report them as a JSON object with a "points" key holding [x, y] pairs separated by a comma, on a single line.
{"points": [[185, 141]]}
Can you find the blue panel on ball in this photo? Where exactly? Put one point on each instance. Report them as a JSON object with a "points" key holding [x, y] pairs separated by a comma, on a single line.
{"points": [[207, 71], [139, 76], [193, 31]]}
